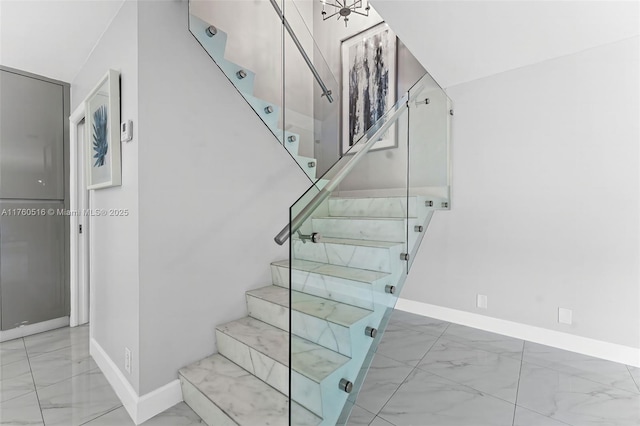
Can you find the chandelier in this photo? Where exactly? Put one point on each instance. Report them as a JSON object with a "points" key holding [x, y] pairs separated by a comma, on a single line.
{"points": [[343, 9]]}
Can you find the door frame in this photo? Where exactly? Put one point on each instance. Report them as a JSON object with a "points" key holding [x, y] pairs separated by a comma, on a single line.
{"points": [[80, 253]]}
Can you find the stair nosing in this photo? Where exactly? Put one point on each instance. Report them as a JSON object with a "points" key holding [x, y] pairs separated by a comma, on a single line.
{"points": [[329, 319], [286, 362], [382, 275]]}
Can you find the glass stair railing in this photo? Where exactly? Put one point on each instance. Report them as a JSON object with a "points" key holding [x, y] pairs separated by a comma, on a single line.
{"points": [[247, 42], [302, 353], [353, 243]]}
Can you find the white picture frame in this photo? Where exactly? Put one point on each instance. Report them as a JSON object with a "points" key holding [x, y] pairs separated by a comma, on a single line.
{"points": [[357, 53], [102, 128]]}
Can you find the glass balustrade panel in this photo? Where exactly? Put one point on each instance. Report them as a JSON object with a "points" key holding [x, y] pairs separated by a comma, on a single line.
{"points": [[346, 270]]}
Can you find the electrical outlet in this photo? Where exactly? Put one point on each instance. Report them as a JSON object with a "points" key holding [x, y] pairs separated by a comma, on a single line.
{"points": [[481, 301], [565, 316], [127, 360]]}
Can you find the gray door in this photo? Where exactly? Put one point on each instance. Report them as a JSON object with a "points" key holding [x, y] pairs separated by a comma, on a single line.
{"points": [[33, 237], [31, 263], [31, 138]]}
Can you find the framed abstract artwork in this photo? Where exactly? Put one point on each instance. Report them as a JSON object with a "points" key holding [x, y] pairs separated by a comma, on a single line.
{"points": [[102, 133], [369, 84]]}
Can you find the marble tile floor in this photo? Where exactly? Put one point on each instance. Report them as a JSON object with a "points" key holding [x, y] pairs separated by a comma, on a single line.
{"points": [[50, 379], [426, 372], [431, 373]]}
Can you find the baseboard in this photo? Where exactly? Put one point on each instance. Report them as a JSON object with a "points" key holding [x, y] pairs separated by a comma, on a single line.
{"points": [[28, 330], [570, 342], [140, 408]]}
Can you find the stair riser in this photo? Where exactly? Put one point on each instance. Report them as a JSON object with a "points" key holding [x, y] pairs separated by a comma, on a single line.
{"points": [[269, 312], [356, 293], [373, 207], [351, 292], [266, 369], [364, 229], [309, 393], [360, 257], [207, 410]]}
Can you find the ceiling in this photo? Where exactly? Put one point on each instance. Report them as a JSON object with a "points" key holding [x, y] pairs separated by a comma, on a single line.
{"points": [[52, 38], [459, 41], [455, 40]]}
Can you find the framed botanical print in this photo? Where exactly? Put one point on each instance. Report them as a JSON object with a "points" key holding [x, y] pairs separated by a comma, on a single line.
{"points": [[102, 124], [369, 84]]}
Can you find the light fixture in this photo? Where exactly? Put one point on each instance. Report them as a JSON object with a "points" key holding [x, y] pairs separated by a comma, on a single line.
{"points": [[343, 9]]}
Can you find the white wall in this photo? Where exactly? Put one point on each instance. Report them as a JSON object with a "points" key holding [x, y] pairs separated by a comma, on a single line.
{"points": [[215, 188], [114, 240], [462, 40], [545, 197]]}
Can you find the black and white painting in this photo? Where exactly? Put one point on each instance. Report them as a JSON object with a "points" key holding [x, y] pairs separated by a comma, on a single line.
{"points": [[368, 84]]}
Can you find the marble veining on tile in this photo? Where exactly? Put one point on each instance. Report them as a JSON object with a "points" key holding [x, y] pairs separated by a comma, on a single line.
{"points": [[575, 400], [360, 417], [53, 367], [378, 229], [485, 340], [329, 310], [57, 339], [418, 322], [178, 415], [383, 378], [372, 207], [273, 294], [426, 399], [407, 346], [484, 371], [12, 351], [77, 400], [21, 411], [337, 271], [260, 336], [313, 361], [243, 397], [635, 374], [15, 380], [598, 370], [524, 417]]}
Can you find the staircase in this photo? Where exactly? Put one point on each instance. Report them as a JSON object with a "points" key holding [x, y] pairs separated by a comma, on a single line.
{"points": [[341, 289], [214, 42], [302, 353]]}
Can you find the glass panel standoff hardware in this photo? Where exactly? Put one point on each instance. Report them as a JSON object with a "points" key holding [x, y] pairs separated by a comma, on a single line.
{"points": [[314, 237], [450, 112], [211, 31], [241, 74], [345, 385], [445, 205], [418, 228], [311, 164], [268, 109], [390, 289], [428, 203], [404, 256], [291, 138], [370, 331]]}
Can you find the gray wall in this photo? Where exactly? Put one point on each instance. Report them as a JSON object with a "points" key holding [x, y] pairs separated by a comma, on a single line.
{"points": [[114, 241], [215, 188], [546, 197]]}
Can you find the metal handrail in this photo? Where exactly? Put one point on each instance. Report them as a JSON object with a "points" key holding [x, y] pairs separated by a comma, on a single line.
{"points": [[326, 191], [325, 90]]}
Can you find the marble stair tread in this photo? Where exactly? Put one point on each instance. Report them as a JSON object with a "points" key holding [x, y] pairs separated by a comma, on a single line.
{"points": [[244, 398], [314, 362], [359, 243], [345, 272], [391, 206], [330, 310]]}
